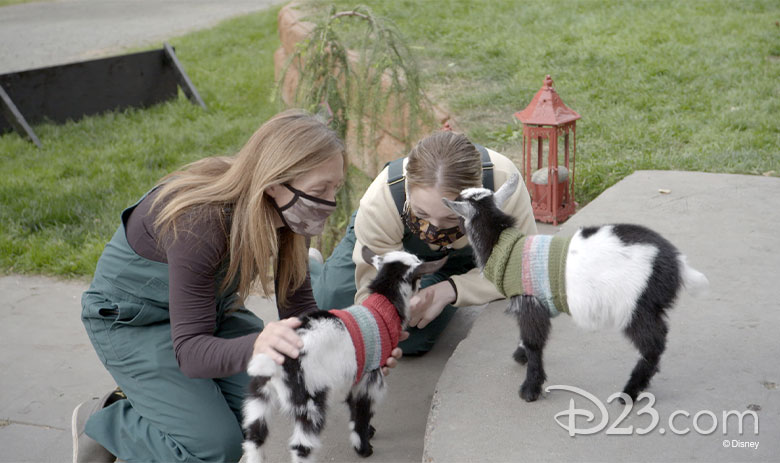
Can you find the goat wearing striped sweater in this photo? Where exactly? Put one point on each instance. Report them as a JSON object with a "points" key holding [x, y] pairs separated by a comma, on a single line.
{"points": [[613, 276], [343, 352]]}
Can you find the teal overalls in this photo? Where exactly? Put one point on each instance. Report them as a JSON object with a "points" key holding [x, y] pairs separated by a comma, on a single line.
{"points": [[333, 282], [167, 416]]}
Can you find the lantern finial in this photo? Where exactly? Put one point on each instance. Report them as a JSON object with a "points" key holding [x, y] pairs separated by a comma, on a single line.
{"points": [[546, 108]]}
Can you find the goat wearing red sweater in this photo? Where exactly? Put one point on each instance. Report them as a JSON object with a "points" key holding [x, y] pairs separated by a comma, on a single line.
{"points": [[343, 352]]}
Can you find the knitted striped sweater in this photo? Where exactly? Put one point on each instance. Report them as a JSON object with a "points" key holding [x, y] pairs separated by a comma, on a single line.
{"points": [[533, 265], [374, 327]]}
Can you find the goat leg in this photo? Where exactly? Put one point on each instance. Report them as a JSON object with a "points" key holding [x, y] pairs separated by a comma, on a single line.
{"points": [[309, 421], [648, 333], [534, 322], [362, 400]]}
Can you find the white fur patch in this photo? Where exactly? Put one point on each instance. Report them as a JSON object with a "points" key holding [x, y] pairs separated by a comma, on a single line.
{"points": [[605, 277], [261, 365], [375, 390], [329, 362], [303, 438], [475, 193], [281, 392], [252, 453], [405, 258], [354, 439], [254, 409]]}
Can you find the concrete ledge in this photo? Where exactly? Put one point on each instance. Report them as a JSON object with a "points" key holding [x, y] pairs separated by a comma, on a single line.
{"points": [[721, 356]]}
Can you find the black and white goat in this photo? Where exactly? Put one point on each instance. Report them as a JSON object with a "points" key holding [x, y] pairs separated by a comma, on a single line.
{"points": [[619, 276], [328, 365]]}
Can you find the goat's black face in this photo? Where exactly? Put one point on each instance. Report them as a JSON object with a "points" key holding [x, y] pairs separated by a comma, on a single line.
{"points": [[398, 276], [480, 212]]}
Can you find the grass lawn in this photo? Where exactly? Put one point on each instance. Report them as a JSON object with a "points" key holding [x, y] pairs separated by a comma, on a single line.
{"points": [[660, 85], [691, 85], [59, 205], [14, 2]]}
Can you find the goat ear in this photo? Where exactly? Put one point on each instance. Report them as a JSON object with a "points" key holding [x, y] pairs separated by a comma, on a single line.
{"points": [[429, 267], [462, 208], [506, 190], [370, 257]]}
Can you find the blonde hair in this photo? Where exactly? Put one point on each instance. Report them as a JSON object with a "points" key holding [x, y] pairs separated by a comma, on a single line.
{"points": [[446, 160], [288, 145]]}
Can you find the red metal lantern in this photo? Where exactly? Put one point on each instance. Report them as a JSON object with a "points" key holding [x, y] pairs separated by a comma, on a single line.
{"points": [[551, 182]]}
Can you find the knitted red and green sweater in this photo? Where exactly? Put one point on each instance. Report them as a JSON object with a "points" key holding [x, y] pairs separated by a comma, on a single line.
{"points": [[374, 327]]}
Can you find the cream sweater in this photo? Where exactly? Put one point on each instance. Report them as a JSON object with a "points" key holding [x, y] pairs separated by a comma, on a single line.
{"points": [[378, 226]]}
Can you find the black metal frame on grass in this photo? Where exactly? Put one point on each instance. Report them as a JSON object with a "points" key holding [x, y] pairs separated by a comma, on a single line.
{"points": [[72, 91]]}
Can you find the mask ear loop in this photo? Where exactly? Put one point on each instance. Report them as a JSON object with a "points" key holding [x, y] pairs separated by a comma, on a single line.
{"points": [[406, 216], [296, 195], [279, 210], [300, 194]]}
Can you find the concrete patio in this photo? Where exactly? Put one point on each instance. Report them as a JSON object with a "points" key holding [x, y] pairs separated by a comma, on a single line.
{"points": [[722, 353]]}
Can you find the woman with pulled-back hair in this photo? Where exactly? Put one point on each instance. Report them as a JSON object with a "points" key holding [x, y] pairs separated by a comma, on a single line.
{"points": [[165, 308], [402, 209]]}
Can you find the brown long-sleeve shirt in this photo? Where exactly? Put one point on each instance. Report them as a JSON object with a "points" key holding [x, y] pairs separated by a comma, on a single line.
{"points": [[194, 260]]}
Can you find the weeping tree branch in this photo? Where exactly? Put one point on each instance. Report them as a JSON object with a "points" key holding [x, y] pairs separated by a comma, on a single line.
{"points": [[358, 90]]}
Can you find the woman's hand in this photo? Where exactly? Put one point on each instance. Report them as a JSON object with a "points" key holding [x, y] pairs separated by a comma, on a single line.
{"points": [[279, 339], [395, 355], [427, 304]]}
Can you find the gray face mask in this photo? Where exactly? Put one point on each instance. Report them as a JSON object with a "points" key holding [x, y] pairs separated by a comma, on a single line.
{"points": [[305, 214]]}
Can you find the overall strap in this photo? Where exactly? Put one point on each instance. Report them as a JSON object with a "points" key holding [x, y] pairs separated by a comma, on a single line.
{"points": [[487, 168], [396, 180]]}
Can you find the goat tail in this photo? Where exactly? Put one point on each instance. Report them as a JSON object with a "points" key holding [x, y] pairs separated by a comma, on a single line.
{"points": [[694, 281]]}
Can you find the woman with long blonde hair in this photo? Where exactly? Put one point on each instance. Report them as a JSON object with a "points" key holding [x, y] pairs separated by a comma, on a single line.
{"points": [[165, 309]]}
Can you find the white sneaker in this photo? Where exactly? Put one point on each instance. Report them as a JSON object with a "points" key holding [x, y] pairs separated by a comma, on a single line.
{"points": [[316, 255], [86, 449]]}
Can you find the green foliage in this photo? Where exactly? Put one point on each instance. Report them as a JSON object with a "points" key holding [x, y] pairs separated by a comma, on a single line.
{"points": [[358, 88]]}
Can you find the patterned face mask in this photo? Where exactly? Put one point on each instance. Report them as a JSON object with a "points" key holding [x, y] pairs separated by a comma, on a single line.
{"points": [[430, 233], [305, 214]]}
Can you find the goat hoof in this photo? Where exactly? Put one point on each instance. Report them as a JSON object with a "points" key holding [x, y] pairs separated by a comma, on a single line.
{"points": [[365, 450], [371, 431], [520, 356], [530, 392]]}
